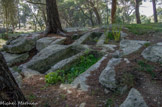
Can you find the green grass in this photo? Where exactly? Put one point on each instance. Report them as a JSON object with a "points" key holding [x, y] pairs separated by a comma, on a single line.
{"points": [[67, 76], [141, 29], [143, 66]]}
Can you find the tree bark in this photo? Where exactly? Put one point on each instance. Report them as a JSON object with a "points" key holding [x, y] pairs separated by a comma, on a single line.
{"points": [[53, 21], [113, 10], [9, 90], [138, 20], [154, 10], [95, 10]]}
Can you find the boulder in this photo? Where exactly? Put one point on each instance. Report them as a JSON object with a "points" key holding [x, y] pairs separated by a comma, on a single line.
{"points": [[15, 58], [130, 46], [22, 44], [44, 42], [153, 53], [107, 76], [134, 99], [49, 56]]}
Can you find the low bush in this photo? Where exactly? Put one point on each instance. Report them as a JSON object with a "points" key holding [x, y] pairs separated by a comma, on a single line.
{"points": [[84, 62]]}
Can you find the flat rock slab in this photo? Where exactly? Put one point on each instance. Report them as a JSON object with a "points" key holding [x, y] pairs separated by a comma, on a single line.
{"points": [[107, 76], [46, 41], [130, 46], [82, 78], [134, 99], [82, 38], [15, 58], [22, 44], [153, 53]]}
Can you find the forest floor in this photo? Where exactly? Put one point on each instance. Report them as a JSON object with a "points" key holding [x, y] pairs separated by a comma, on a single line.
{"points": [[148, 83]]}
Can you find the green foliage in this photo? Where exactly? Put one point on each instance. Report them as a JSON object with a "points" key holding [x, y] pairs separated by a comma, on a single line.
{"points": [[116, 32], [84, 62], [143, 66], [55, 77], [141, 29], [15, 68], [147, 44], [113, 35], [110, 102]]}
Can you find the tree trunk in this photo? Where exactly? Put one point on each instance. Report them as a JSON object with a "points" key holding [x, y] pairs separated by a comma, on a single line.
{"points": [[154, 10], [95, 12], [53, 21], [138, 20], [113, 10], [18, 13], [9, 90]]}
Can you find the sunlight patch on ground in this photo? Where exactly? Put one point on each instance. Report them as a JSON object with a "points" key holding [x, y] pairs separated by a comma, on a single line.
{"points": [[2, 42]]}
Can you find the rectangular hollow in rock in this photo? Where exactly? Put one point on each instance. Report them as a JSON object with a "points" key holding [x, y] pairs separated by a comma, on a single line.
{"points": [[44, 60], [93, 38], [80, 65]]}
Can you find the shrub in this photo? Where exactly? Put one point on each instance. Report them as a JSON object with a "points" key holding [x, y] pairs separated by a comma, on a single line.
{"points": [[55, 77], [113, 35], [84, 62]]}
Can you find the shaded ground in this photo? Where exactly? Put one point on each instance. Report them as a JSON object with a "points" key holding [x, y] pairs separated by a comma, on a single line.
{"points": [[149, 84]]}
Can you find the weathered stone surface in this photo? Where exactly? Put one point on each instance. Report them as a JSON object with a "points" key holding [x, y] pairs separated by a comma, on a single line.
{"points": [[81, 79], [130, 46], [64, 64], [82, 39], [14, 58], [107, 77], [27, 73], [17, 77], [44, 42], [134, 99], [109, 47], [82, 104], [123, 35], [22, 44], [101, 40], [49, 56], [153, 53]]}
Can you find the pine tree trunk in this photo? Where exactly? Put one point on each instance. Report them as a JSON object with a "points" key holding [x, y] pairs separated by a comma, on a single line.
{"points": [[113, 10], [138, 20], [9, 90], [154, 10], [53, 21]]}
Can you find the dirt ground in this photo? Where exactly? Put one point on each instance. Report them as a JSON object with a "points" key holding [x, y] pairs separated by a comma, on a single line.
{"points": [[36, 90]]}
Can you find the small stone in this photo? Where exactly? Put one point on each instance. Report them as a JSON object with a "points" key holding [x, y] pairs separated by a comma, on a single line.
{"points": [[126, 60], [106, 91], [69, 92], [82, 105]]}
